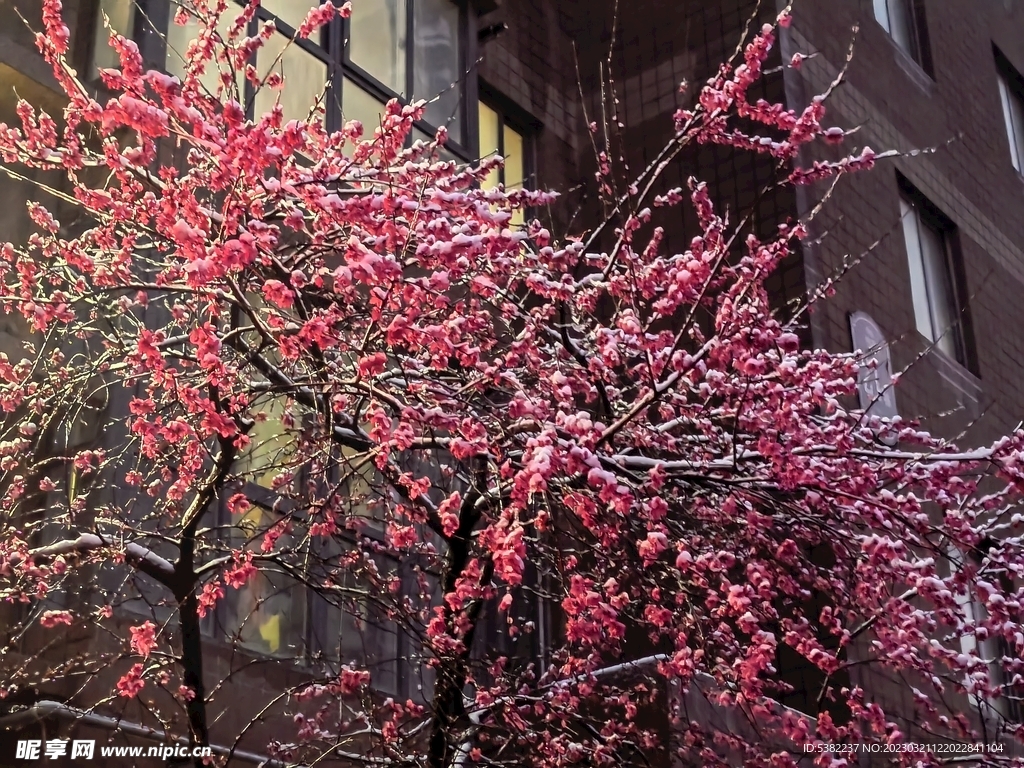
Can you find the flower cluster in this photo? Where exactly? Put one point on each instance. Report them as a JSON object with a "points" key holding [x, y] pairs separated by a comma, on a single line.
{"points": [[330, 361]]}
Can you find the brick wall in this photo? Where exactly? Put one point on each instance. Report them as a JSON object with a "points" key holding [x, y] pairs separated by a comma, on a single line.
{"points": [[897, 105], [968, 177], [528, 71]]}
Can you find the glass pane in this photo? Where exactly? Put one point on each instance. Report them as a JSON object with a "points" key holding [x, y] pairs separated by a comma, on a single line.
{"points": [[364, 486], [901, 22], [442, 154], [1017, 111], [357, 104], [918, 284], [436, 62], [304, 74], [881, 14], [121, 14], [291, 12], [271, 446], [489, 144], [377, 40], [515, 175], [1013, 116], [1005, 98], [356, 627], [940, 297], [269, 611], [178, 39]]}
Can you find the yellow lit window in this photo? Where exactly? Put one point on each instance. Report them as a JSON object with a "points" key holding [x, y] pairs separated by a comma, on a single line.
{"points": [[272, 445], [269, 611], [498, 137]]}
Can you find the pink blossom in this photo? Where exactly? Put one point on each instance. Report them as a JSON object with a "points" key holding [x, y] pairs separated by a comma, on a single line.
{"points": [[131, 684], [143, 638], [51, 619], [242, 573]]}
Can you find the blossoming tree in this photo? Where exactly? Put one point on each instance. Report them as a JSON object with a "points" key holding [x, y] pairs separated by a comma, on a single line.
{"points": [[530, 491]]}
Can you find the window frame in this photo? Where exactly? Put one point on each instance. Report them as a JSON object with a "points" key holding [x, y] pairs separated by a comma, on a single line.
{"points": [[153, 18], [917, 47], [509, 115], [378, 90], [1009, 708], [1010, 84], [959, 331]]}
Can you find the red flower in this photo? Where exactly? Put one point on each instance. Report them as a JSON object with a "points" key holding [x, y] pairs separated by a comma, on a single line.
{"points": [[211, 593], [132, 683], [143, 638], [239, 576]]}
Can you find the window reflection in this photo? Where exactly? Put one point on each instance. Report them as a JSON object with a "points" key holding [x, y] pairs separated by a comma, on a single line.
{"points": [[271, 447], [378, 44], [178, 40], [304, 74], [357, 104], [356, 625], [291, 12], [377, 41], [436, 63], [268, 613]]}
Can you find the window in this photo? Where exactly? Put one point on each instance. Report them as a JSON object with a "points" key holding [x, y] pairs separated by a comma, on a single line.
{"points": [[405, 49], [271, 448], [1011, 95], [498, 137], [937, 311], [992, 649], [902, 19], [268, 613], [356, 624], [121, 18], [269, 458], [303, 63]]}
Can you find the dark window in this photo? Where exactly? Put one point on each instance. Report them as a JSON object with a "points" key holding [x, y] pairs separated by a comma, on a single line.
{"points": [[904, 21], [405, 49], [936, 281], [1011, 97]]}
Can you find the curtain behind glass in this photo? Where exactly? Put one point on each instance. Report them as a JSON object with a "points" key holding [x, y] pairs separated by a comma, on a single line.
{"points": [[436, 63]]}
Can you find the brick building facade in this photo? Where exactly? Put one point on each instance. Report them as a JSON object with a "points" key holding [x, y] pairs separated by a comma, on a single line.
{"points": [[940, 82], [925, 74]]}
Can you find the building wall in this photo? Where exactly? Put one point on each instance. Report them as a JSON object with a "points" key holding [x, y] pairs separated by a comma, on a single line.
{"points": [[23, 74], [554, 49], [896, 105], [968, 177], [528, 72], [955, 111]]}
